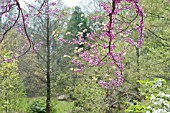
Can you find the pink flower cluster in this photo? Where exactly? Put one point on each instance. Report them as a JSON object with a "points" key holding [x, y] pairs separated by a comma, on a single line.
{"points": [[95, 18], [112, 82]]}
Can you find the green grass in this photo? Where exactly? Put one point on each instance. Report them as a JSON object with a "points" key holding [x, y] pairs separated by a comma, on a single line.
{"points": [[62, 107], [58, 106]]}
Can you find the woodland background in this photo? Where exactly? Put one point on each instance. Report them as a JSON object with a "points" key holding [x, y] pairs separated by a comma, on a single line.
{"points": [[23, 81]]}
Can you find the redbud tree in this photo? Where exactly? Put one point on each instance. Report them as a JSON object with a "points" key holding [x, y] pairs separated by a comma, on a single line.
{"points": [[125, 24], [14, 16], [108, 46]]}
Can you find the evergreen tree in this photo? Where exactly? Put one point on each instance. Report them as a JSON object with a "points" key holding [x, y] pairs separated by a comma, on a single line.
{"points": [[77, 25]]}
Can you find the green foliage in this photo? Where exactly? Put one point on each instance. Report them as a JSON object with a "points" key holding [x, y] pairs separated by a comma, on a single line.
{"points": [[136, 109], [37, 106], [148, 87], [155, 52], [11, 86], [89, 97], [61, 106], [59, 86]]}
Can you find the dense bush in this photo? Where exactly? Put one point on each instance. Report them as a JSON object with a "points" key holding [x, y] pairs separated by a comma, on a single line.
{"points": [[37, 106]]}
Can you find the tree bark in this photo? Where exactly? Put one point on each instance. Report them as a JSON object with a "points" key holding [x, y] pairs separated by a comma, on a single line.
{"points": [[48, 66], [138, 69]]}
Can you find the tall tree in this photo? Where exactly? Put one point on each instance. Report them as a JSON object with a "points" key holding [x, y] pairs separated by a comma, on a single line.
{"points": [[45, 31], [77, 24]]}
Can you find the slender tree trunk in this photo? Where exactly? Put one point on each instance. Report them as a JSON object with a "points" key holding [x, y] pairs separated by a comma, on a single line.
{"points": [[137, 61], [48, 67], [138, 69]]}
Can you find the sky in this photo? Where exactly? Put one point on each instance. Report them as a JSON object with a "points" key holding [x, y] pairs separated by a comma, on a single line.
{"points": [[70, 3]]}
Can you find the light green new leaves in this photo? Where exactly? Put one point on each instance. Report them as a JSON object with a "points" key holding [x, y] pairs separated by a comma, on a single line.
{"points": [[11, 87]]}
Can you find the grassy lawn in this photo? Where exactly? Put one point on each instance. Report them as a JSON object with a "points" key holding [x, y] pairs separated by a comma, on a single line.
{"points": [[58, 106]]}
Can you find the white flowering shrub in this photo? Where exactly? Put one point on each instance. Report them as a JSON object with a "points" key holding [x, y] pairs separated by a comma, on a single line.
{"points": [[157, 97], [160, 103]]}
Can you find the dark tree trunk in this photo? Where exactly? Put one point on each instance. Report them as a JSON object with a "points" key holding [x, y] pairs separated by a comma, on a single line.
{"points": [[48, 67], [138, 69]]}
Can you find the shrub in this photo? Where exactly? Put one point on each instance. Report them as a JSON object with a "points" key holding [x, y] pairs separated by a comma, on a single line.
{"points": [[37, 106], [11, 86], [157, 99]]}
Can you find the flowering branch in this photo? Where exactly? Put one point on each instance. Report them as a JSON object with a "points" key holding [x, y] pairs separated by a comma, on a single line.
{"points": [[18, 21], [111, 32]]}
